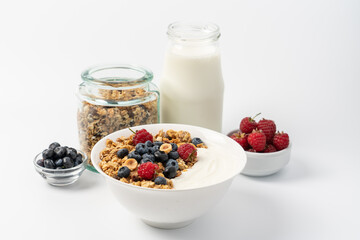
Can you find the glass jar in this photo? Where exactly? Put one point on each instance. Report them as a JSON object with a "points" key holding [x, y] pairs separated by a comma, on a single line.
{"points": [[112, 98], [191, 85]]}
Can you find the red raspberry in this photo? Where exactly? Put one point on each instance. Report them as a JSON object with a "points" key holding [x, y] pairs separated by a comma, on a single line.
{"points": [[142, 136], [187, 152], [147, 170], [268, 127], [248, 124], [241, 138], [269, 148], [251, 150], [281, 141], [257, 140]]}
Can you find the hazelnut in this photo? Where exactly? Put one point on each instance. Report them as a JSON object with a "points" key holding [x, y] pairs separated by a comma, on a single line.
{"points": [[166, 148], [131, 163]]}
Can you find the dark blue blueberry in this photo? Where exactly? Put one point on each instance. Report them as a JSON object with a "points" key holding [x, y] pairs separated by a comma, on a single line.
{"points": [[79, 157], [139, 145], [122, 152], [196, 141], [173, 155], [134, 155], [150, 156], [170, 172], [157, 143], [59, 152], [48, 154], [68, 162], [141, 150], [54, 145], [78, 161], [174, 146], [153, 149], [160, 156], [160, 180], [172, 163], [71, 153], [149, 143], [40, 162], [48, 163], [145, 160], [59, 162], [123, 172]]}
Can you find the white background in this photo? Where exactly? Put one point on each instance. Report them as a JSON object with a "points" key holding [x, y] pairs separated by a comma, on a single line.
{"points": [[297, 62]]}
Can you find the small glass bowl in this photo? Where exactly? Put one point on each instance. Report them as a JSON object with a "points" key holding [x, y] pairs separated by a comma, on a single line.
{"points": [[61, 177]]}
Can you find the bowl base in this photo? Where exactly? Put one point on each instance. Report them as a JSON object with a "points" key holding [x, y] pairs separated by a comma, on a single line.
{"points": [[168, 225]]}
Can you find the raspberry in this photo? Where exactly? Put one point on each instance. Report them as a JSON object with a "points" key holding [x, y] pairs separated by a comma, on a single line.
{"points": [[248, 124], [257, 140], [268, 127], [142, 136], [269, 148], [187, 152], [251, 150], [147, 170], [241, 138], [281, 141]]}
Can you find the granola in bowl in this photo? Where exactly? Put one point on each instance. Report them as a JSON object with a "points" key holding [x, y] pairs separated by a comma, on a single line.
{"points": [[151, 161]]}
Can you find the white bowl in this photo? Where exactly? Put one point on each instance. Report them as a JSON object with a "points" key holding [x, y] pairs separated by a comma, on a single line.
{"points": [[264, 164], [171, 208]]}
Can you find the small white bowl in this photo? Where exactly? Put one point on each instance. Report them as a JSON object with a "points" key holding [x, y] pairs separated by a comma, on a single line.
{"points": [[172, 208], [264, 164]]}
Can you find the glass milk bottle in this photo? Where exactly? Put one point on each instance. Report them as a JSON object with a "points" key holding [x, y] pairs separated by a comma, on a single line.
{"points": [[191, 86]]}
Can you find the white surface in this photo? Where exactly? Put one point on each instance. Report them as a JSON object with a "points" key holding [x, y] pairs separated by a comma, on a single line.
{"points": [[297, 62], [175, 208]]}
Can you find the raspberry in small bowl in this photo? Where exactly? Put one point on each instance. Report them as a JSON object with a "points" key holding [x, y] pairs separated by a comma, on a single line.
{"points": [[263, 158]]}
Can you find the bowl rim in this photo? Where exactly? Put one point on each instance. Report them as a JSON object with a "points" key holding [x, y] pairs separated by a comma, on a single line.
{"points": [[131, 186], [65, 170]]}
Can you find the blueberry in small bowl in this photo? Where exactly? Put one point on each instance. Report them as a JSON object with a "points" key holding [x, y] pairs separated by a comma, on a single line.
{"points": [[60, 165]]}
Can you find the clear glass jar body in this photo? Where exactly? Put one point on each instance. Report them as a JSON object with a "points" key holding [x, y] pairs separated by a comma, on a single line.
{"points": [[112, 98], [192, 87]]}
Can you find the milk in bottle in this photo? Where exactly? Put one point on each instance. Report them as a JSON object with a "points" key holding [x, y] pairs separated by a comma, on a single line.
{"points": [[191, 85]]}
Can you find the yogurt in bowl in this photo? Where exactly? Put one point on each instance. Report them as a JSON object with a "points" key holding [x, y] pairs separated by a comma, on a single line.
{"points": [[195, 192]]}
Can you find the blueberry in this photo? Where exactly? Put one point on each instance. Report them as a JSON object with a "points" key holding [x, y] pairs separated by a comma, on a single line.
{"points": [[160, 156], [145, 160], [153, 149], [48, 163], [139, 145], [149, 143], [54, 145], [196, 141], [150, 156], [157, 143], [71, 152], [173, 155], [68, 162], [134, 155], [59, 152], [48, 154], [59, 162], [123, 172], [78, 161], [40, 162], [172, 163], [141, 150], [79, 157], [122, 152], [174, 146], [160, 180], [170, 172]]}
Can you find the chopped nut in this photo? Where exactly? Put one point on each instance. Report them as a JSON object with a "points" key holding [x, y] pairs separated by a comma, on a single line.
{"points": [[131, 164], [166, 148]]}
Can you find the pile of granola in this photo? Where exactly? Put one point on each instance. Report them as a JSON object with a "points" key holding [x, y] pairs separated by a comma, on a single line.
{"points": [[96, 121], [113, 159]]}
